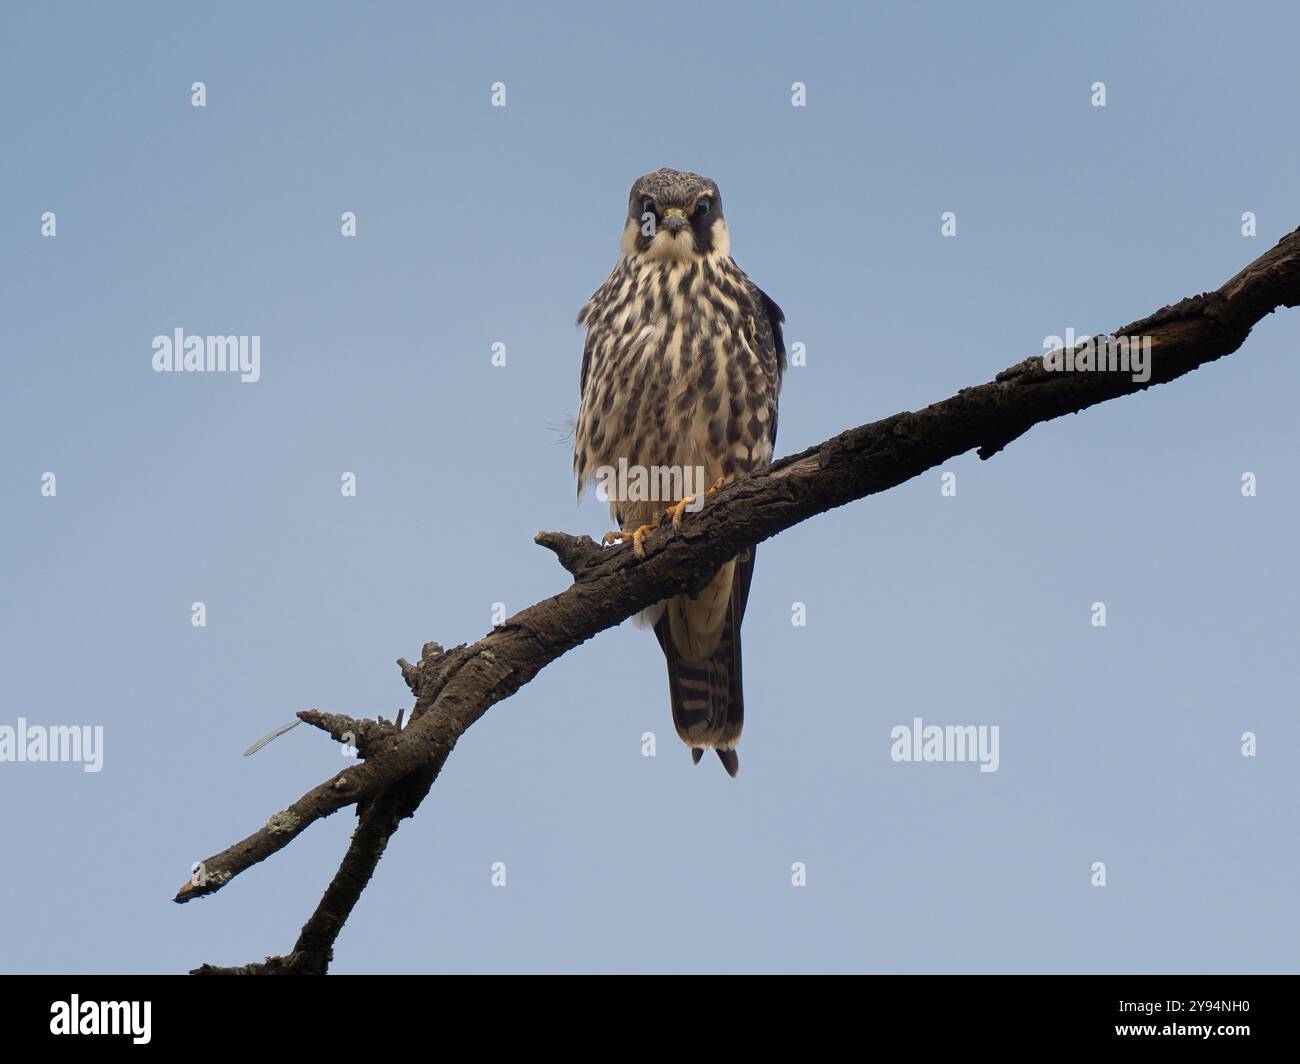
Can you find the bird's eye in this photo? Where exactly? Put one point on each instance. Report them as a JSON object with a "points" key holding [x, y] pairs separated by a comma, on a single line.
{"points": [[647, 206], [702, 208]]}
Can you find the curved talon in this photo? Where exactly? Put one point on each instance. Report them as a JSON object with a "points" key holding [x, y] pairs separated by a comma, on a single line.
{"points": [[638, 536], [678, 508]]}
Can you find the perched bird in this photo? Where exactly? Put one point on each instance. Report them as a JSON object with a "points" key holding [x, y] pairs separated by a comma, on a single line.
{"points": [[681, 370]]}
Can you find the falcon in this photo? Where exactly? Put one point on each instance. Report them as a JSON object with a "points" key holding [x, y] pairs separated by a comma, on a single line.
{"points": [[681, 369]]}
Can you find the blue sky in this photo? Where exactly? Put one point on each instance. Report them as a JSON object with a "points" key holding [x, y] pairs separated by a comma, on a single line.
{"points": [[479, 225]]}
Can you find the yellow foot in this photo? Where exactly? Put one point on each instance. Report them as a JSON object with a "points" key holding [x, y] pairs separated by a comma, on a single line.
{"points": [[679, 508], [638, 536]]}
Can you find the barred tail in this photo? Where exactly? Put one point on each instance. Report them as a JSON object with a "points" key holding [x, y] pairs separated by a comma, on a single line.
{"points": [[700, 638]]}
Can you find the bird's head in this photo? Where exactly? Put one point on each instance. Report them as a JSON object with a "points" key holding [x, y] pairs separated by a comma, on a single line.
{"points": [[674, 216]]}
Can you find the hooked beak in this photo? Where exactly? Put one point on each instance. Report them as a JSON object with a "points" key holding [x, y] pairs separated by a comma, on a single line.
{"points": [[675, 220]]}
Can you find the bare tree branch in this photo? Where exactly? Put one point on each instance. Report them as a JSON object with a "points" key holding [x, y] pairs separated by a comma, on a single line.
{"points": [[378, 819], [454, 688]]}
